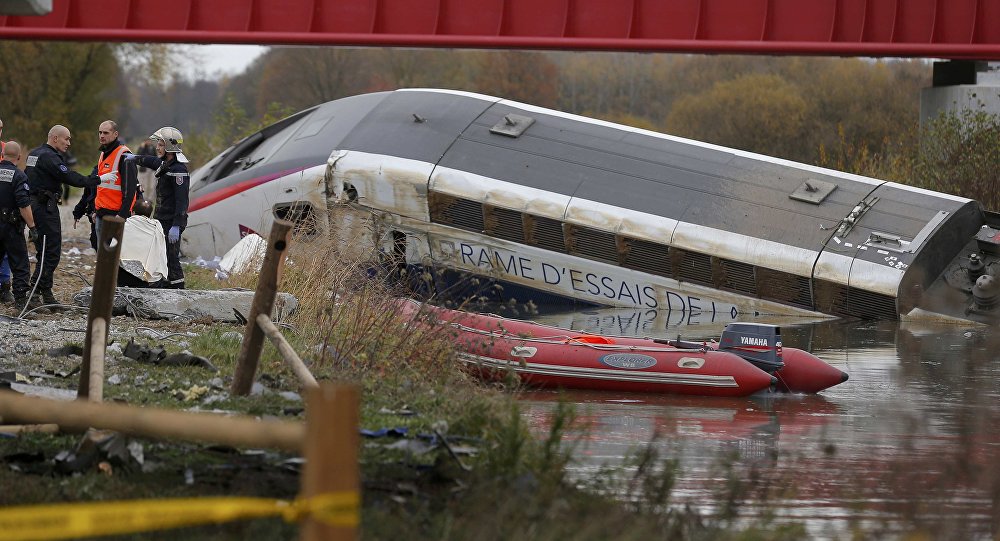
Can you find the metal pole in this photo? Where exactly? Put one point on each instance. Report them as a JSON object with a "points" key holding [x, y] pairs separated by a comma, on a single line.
{"points": [[263, 303], [102, 299]]}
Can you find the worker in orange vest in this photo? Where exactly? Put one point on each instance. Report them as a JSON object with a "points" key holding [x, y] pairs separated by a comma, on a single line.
{"points": [[116, 193]]}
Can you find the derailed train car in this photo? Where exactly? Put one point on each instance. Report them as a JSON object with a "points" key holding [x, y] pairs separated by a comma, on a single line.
{"points": [[541, 205]]}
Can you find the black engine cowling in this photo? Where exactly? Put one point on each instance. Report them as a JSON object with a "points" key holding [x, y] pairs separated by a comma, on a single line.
{"points": [[757, 343]]}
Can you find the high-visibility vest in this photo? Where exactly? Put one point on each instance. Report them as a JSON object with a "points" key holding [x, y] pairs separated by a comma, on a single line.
{"points": [[109, 193]]}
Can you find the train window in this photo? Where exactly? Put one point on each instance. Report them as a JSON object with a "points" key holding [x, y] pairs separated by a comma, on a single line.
{"points": [[646, 256], [314, 126], [255, 148], [591, 243], [503, 223]]}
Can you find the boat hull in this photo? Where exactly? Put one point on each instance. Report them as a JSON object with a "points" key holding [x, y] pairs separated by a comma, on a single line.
{"points": [[802, 371], [579, 365]]}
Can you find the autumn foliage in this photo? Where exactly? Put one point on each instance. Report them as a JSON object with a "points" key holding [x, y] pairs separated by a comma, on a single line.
{"points": [[856, 115]]}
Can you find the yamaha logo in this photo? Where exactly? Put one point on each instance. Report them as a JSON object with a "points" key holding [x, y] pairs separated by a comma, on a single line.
{"points": [[628, 361], [753, 341]]}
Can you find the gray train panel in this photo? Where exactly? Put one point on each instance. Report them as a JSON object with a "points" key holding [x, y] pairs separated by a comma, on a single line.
{"points": [[873, 239], [415, 125], [655, 175]]}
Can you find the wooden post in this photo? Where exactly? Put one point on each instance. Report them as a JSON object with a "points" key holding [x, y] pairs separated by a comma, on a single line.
{"points": [[286, 351], [331, 453], [263, 303], [102, 299], [237, 431], [98, 345]]}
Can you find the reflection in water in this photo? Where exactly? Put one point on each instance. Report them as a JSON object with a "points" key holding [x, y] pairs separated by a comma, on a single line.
{"points": [[651, 323], [911, 443]]}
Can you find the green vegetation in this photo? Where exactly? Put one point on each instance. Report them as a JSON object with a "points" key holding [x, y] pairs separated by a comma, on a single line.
{"points": [[960, 154], [48, 83]]}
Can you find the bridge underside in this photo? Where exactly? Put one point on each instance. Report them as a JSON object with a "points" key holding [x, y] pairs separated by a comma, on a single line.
{"points": [[957, 29]]}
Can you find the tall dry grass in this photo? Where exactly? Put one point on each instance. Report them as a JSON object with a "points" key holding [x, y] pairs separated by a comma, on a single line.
{"points": [[346, 326]]}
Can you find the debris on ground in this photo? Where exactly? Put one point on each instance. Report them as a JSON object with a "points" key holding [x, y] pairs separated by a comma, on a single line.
{"points": [[188, 304], [157, 355]]}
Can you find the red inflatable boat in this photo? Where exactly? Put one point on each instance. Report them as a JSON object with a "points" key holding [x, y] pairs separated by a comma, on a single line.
{"points": [[748, 359]]}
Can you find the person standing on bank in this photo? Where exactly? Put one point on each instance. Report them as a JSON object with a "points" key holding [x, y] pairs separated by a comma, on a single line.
{"points": [[172, 185], [5, 295], [15, 212], [116, 193], [46, 174]]}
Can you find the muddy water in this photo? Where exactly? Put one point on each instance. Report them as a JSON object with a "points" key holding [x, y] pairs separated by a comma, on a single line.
{"points": [[911, 443]]}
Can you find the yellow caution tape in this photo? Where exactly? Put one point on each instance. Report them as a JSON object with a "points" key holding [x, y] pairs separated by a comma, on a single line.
{"points": [[71, 520]]}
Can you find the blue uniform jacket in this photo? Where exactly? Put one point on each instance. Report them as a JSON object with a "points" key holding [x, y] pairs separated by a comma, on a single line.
{"points": [[172, 186], [47, 172], [13, 187]]}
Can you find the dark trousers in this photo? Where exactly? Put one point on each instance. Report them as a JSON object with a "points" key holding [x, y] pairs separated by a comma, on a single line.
{"points": [[127, 279], [12, 244], [175, 273], [93, 234], [98, 220], [50, 229]]}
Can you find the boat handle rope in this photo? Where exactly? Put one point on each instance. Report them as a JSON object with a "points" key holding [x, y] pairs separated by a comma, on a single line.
{"points": [[565, 338]]}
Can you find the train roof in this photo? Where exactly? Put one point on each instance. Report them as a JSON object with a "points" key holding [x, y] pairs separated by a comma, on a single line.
{"points": [[640, 170]]}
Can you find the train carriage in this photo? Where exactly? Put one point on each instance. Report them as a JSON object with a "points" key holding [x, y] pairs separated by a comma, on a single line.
{"points": [[536, 204]]}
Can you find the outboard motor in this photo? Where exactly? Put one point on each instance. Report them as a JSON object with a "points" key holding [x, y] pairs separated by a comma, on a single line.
{"points": [[758, 344]]}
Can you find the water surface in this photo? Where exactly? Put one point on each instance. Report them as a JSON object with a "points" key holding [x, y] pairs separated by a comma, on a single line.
{"points": [[911, 443]]}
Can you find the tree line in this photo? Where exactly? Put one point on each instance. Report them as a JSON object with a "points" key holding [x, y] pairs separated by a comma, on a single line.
{"points": [[856, 115]]}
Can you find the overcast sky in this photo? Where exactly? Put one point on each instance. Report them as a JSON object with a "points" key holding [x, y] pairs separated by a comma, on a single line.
{"points": [[213, 61]]}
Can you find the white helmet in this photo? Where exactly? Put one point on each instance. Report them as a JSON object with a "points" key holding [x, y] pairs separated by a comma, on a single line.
{"points": [[172, 141]]}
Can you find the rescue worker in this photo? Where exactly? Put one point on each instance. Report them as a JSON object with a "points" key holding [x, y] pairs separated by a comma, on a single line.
{"points": [[5, 295], [116, 193], [46, 174], [172, 186], [15, 212]]}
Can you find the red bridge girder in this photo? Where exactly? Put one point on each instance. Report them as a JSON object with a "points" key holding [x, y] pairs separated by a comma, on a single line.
{"points": [[967, 29]]}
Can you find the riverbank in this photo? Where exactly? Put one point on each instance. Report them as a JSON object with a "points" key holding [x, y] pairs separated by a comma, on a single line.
{"points": [[443, 456]]}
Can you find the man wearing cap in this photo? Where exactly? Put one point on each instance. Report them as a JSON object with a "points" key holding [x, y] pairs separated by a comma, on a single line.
{"points": [[172, 186]]}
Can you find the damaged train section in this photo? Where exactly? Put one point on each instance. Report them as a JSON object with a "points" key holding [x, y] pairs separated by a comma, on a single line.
{"points": [[489, 197]]}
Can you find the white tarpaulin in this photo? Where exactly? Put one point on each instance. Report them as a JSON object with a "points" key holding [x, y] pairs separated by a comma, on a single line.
{"points": [[144, 249], [247, 255]]}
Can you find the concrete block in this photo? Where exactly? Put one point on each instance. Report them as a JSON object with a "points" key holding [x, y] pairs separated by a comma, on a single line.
{"points": [[218, 304]]}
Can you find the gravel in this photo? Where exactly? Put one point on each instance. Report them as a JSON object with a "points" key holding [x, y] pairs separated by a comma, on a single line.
{"points": [[42, 331]]}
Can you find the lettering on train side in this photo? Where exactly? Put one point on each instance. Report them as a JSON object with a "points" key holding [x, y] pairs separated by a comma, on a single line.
{"points": [[512, 264], [546, 270], [581, 282]]}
